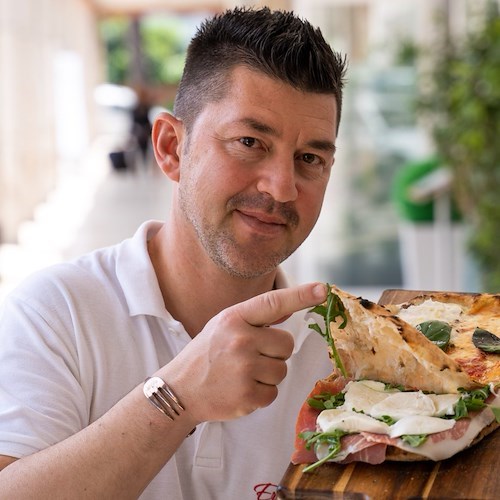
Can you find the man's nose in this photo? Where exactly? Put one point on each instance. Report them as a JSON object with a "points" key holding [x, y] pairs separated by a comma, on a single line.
{"points": [[278, 179]]}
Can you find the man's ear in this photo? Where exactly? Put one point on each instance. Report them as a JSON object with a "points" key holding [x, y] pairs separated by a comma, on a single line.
{"points": [[167, 135]]}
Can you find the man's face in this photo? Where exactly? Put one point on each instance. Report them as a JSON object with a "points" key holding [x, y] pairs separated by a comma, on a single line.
{"points": [[253, 177]]}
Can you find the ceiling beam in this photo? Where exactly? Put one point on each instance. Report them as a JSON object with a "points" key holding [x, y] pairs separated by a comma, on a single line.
{"points": [[137, 7]]}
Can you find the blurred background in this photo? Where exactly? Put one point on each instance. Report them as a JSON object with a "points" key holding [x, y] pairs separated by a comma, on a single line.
{"points": [[413, 201]]}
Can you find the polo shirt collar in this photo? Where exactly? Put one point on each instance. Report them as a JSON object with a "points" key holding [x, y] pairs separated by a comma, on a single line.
{"points": [[142, 292], [136, 274]]}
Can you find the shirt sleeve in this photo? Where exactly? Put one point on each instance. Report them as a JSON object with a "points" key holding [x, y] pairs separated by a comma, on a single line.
{"points": [[41, 399]]}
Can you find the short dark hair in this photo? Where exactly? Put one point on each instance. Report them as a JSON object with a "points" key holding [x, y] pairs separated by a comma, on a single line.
{"points": [[276, 43]]}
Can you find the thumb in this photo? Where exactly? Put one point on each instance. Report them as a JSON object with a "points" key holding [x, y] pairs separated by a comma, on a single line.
{"points": [[269, 307]]}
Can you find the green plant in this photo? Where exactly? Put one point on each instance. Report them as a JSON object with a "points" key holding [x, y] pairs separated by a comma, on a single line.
{"points": [[164, 50], [113, 32], [163, 47], [463, 104]]}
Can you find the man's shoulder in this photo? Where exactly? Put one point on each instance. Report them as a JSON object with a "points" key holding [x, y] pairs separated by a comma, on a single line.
{"points": [[85, 275], [99, 266]]}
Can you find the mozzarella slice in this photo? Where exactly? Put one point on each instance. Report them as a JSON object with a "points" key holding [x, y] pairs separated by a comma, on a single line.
{"points": [[446, 449], [362, 395], [403, 404], [444, 403], [418, 424], [349, 421], [372, 384], [414, 412]]}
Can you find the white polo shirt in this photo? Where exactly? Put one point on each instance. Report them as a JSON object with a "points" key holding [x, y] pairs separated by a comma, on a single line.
{"points": [[76, 337]]}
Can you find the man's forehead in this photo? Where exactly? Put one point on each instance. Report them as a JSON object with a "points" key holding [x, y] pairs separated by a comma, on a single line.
{"points": [[269, 88], [252, 98]]}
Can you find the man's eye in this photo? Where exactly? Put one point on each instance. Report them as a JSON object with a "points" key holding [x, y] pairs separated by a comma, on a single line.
{"points": [[312, 166], [310, 159], [248, 141]]}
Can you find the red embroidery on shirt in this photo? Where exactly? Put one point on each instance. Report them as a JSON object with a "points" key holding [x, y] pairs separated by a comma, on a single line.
{"points": [[265, 491]]}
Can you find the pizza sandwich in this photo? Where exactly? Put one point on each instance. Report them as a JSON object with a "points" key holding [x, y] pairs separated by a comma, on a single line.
{"points": [[413, 381]]}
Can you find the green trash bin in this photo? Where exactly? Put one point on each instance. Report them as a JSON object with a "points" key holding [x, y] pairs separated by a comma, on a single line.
{"points": [[409, 209], [432, 250]]}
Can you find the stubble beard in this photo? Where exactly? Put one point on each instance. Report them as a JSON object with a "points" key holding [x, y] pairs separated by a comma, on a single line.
{"points": [[220, 244]]}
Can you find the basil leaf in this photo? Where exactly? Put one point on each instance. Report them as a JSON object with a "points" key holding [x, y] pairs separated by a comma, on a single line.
{"points": [[437, 332], [486, 341]]}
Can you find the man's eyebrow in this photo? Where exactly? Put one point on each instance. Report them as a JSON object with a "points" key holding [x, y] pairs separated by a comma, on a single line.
{"points": [[321, 145], [326, 146], [259, 126]]}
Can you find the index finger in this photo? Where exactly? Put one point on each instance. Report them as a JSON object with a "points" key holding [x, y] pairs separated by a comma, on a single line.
{"points": [[269, 307]]}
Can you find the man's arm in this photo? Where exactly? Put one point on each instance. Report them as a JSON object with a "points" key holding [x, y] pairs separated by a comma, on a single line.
{"points": [[4, 461], [230, 369], [117, 456]]}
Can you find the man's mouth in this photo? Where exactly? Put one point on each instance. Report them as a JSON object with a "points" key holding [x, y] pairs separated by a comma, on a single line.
{"points": [[264, 217], [258, 222], [264, 212]]}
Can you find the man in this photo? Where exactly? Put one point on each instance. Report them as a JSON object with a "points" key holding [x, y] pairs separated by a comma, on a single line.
{"points": [[198, 301]]}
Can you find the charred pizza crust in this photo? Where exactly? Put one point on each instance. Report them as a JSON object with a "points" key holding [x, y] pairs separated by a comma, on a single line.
{"points": [[376, 344], [478, 310], [474, 303]]}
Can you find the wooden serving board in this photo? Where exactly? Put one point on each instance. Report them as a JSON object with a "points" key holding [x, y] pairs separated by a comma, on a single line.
{"points": [[473, 474]]}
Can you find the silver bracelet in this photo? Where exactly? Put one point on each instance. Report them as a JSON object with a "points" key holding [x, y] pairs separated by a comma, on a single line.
{"points": [[162, 397]]}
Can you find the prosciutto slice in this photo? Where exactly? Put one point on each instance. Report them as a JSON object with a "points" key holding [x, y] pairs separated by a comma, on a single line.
{"points": [[306, 420], [355, 447], [371, 448]]}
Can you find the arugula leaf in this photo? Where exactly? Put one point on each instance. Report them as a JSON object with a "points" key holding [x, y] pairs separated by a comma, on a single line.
{"points": [[387, 419], [321, 309], [460, 410], [414, 440], [332, 310], [326, 401], [471, 401], [437, 332], [496, 412], [486, 341], [332, 439], [390, 387]]}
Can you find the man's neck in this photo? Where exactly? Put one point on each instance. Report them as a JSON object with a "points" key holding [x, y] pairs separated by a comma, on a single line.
{"points": [[195, 289]]}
